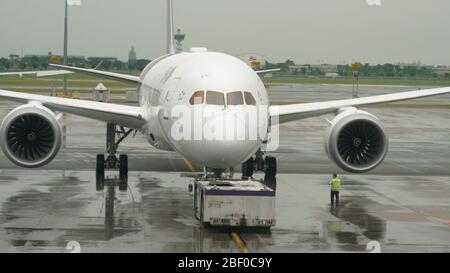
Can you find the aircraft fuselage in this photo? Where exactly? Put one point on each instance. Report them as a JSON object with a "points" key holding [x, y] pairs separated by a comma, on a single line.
{"points": [[168, 87]]}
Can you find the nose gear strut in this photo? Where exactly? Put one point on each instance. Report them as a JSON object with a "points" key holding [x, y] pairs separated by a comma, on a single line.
{"points": [[113, 131], [261, 162]]}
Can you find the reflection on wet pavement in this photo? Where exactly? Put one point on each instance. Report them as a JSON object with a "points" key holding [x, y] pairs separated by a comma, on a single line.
{"points": [[351, 212], [49, 209]]}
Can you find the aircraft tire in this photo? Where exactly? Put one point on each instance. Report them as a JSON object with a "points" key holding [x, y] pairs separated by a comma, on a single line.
{"points": [[123, 172], [247, 169], [100, 172], [271, 167]]}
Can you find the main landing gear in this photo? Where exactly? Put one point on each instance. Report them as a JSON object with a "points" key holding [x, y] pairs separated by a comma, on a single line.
{"points": [[264, 163], [112, 162]]}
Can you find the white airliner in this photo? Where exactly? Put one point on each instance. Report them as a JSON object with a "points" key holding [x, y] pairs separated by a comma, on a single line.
{"points": [[356, 141]]}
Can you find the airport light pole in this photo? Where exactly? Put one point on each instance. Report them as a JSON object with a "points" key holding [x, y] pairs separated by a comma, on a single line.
{"points": [[67, 3], [66, 59], [65, 42], [64, 116]]}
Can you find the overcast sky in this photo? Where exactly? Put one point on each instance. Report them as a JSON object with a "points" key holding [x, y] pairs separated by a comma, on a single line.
{"points": [[307, 31]]}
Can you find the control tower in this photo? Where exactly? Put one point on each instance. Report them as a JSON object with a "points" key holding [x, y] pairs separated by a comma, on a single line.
{"points": [[132, 56], [179, 38]]}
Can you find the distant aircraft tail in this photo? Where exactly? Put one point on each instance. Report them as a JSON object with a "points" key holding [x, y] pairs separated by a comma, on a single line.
{"points": [[170, 33]]}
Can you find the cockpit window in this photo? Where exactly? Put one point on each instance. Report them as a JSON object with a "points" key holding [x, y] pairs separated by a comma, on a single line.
{"points": [[249, 99], [215, 98], [235, 98], [197, 98]]}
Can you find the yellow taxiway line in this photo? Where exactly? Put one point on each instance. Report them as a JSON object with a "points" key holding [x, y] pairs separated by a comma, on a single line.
{"points": [[189, 165], [237, 239]]}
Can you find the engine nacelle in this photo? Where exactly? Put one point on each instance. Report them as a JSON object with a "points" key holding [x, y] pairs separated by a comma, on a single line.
{"points": [[30, 135], [356, 141]]}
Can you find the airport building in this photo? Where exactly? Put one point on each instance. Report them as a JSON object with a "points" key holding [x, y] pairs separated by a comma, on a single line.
{"points": [[45, 58], [74, 60], [102, 59], [416, 65], [441, 70], [327, 69]]}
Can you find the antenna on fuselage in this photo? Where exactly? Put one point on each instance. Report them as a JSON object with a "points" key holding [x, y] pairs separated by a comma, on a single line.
{"points": [[170, 41]]}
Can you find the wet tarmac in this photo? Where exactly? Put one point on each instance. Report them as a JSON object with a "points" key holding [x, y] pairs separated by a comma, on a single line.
{"points": [[42, 211], [404, 205]]}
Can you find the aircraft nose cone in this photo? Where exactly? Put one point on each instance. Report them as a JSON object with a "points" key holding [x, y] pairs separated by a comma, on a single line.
{"points": [[228, 153], [227, 141]]}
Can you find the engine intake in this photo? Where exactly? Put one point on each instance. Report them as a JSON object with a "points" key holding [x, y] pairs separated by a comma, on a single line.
{"points": [[356, 141], [30, 136]]}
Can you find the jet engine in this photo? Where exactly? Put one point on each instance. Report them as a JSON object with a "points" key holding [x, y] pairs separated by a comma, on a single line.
{"points": [[30, 135], [356, 141]]}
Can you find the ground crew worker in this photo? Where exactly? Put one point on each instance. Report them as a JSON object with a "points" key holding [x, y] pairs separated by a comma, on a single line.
{"points": [[335, 188]]}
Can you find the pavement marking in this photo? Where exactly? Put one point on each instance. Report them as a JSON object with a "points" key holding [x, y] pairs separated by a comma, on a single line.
{"points": [[189, 165], [237, 239]]}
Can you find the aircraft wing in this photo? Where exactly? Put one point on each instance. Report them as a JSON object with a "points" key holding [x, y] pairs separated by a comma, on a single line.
{"points": [[128, 116], [103, 74], [44, 73], [287, 113]]}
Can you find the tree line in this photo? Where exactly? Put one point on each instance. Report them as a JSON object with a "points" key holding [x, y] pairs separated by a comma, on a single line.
{"points": [[366, 70], [16, 63]]}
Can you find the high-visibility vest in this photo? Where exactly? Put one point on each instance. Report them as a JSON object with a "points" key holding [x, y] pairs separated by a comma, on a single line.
{"points": [[336, 184]]}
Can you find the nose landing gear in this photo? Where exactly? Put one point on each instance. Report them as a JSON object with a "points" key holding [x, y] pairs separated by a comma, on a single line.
{"points": [[266, 164], [111, 162]]}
